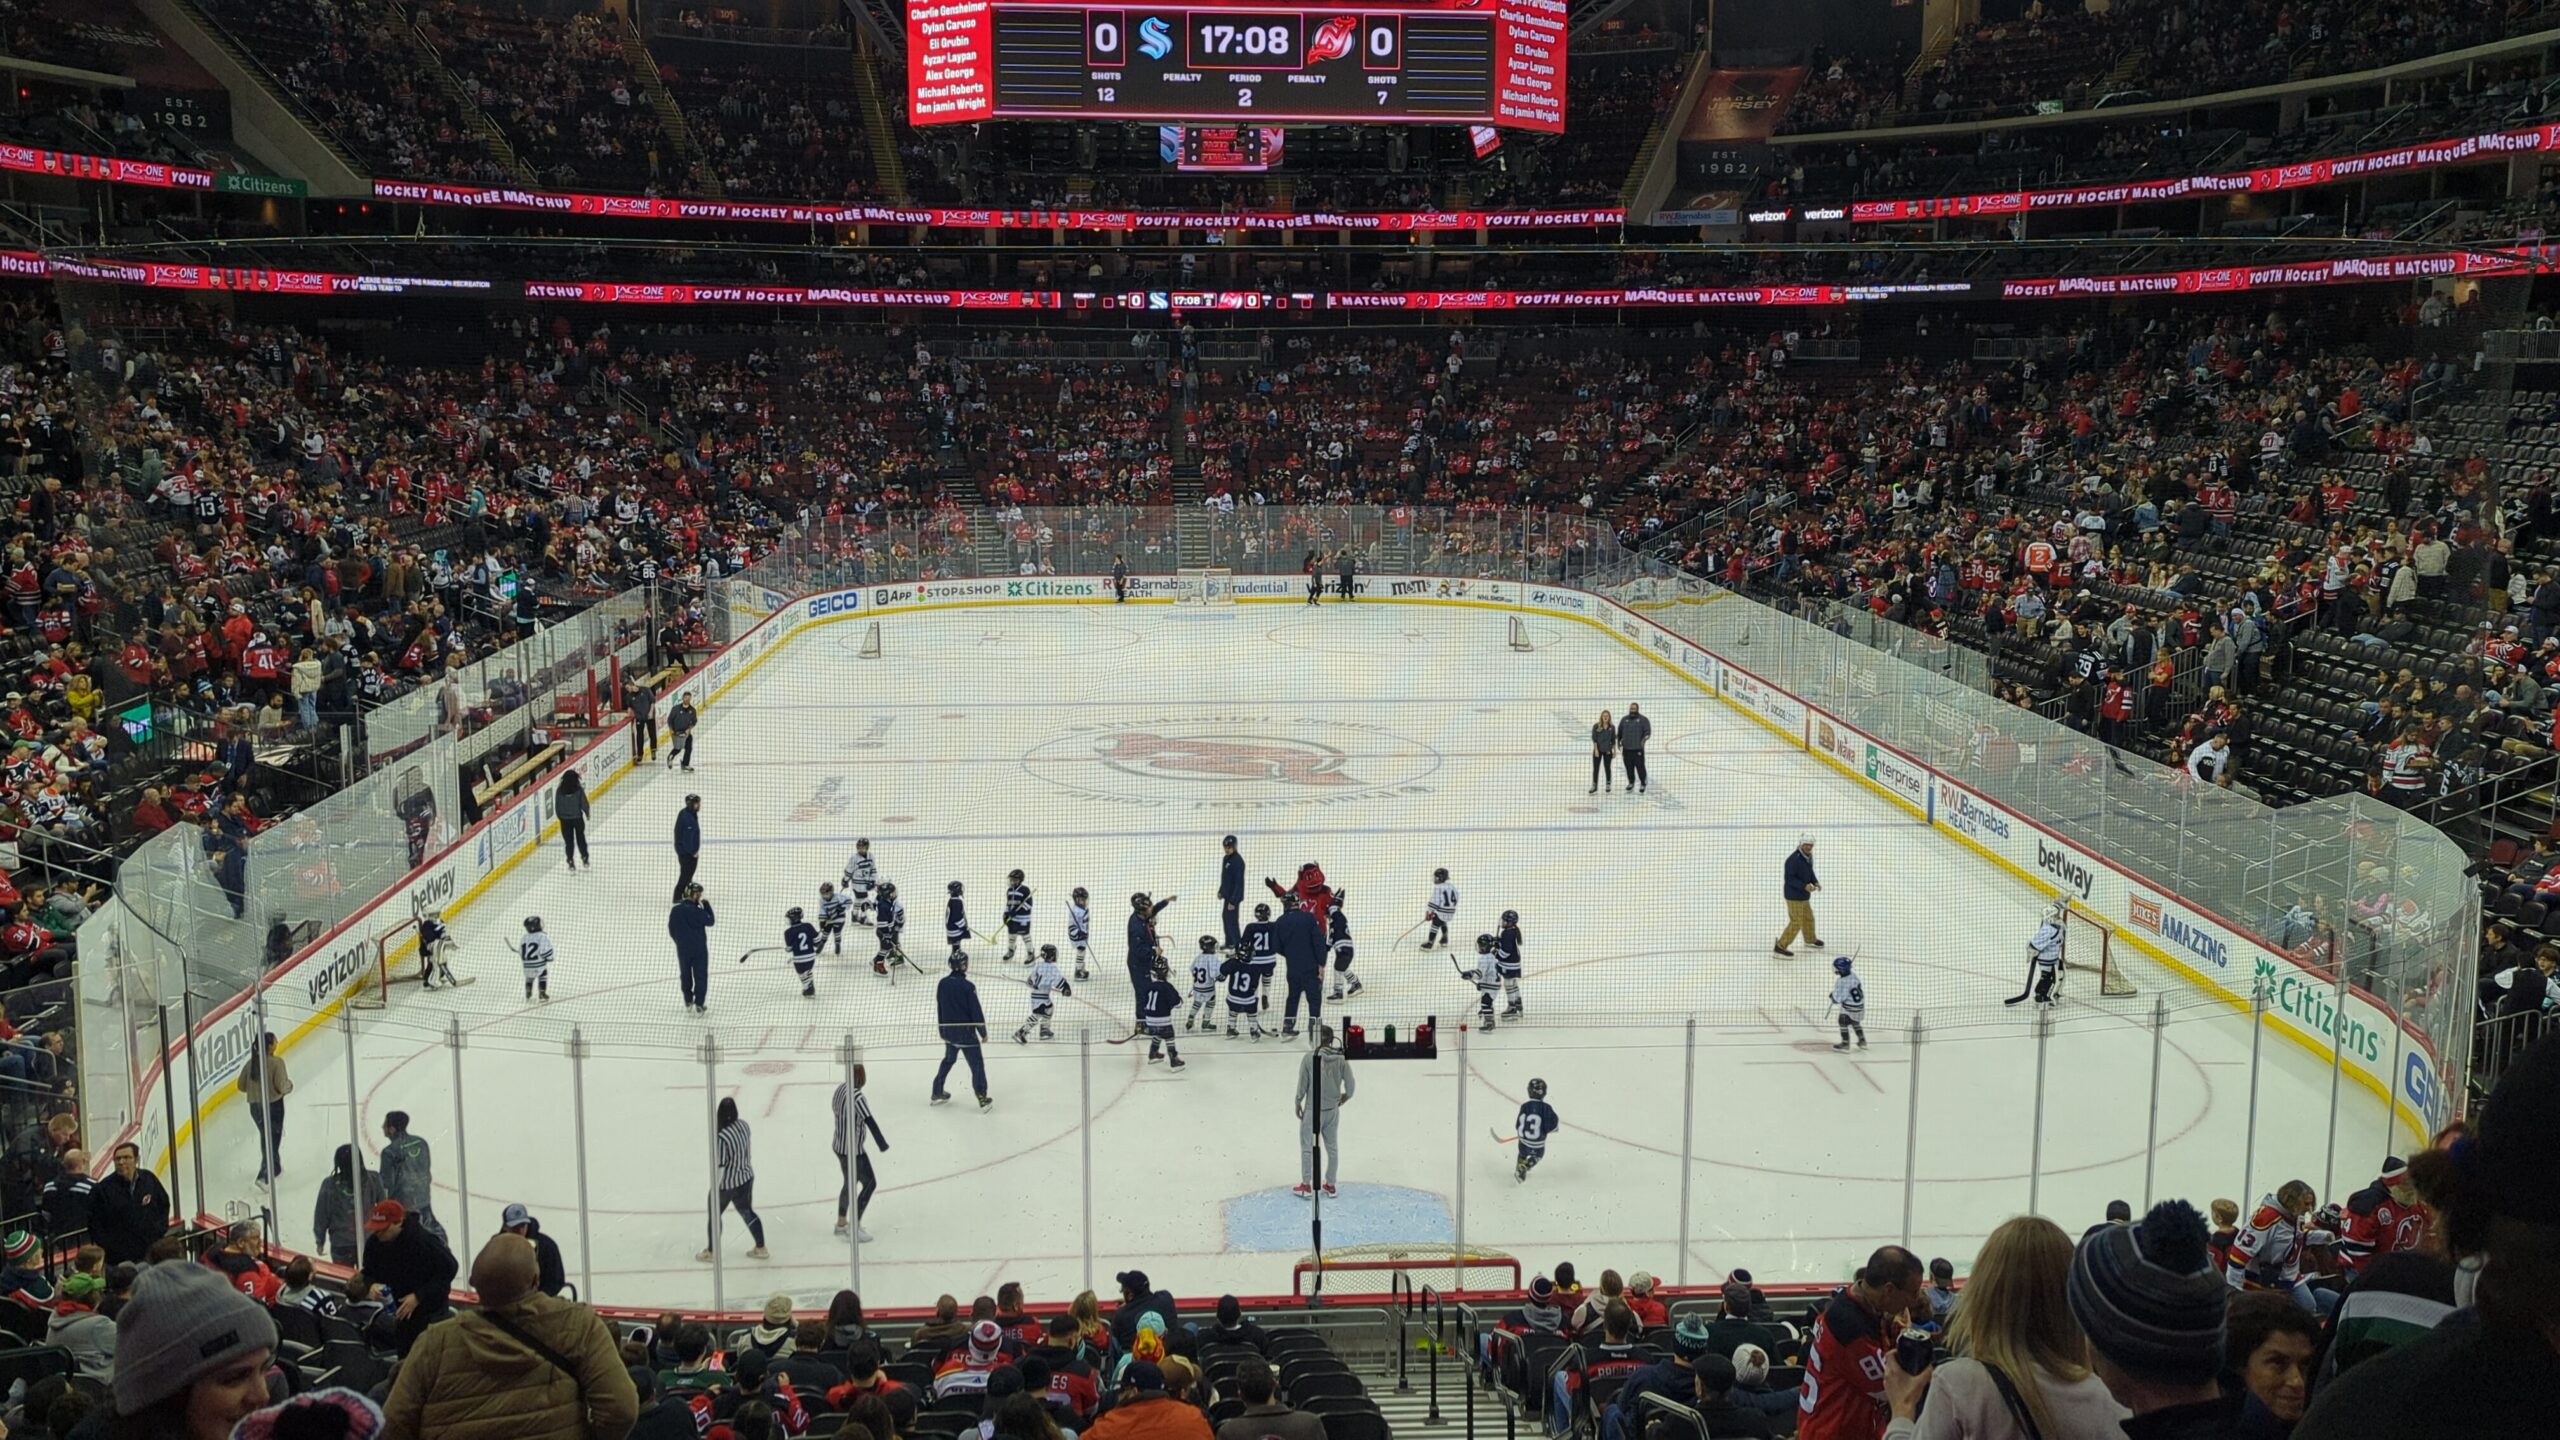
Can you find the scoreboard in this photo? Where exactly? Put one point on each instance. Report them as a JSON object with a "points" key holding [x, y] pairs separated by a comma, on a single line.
{"points": [[1487, 62]]}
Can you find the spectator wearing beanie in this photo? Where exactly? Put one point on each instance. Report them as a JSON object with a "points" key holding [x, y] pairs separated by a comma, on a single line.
{"points": [[523, 1364], [77, 1327], [2492, 1368], [1713, 1376], [338, 1413], [191, 1354], [2155, 1310]]}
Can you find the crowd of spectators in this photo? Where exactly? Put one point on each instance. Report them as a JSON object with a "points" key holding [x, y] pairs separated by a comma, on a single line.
{"points": [[562, 91], [359, 70]]}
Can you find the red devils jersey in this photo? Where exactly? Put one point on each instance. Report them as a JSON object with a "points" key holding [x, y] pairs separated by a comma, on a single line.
{"points": [[2377, 1225], [1843, 1394]]}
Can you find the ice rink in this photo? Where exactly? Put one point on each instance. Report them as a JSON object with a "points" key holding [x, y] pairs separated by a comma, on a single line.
{"points": [[1111, 747]]}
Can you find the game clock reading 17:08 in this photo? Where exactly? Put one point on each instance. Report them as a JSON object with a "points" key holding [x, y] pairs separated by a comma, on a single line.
{"points": [[1154, 62]]}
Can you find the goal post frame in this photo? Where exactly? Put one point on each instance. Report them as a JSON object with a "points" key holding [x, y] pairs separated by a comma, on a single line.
{"points": [[2088, 945], [371, 989], [1204, 585]]}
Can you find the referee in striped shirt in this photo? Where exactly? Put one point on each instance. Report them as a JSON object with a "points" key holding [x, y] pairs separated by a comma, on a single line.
{"points": [[857, 1171], [737, 1182]]}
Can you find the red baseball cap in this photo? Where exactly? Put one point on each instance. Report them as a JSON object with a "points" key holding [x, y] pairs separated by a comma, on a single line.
{"points": [[385, 1213]]}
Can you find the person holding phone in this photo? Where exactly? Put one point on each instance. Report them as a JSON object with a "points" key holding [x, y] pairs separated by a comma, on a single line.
{"points": [[1853, 1342]]}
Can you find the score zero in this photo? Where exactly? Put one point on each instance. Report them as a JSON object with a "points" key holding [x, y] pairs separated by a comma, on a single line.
{"points": [[1229, 40]]}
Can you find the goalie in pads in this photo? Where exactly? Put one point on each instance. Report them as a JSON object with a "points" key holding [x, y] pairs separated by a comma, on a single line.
{"points": [[2044, 954], [433, 940]]}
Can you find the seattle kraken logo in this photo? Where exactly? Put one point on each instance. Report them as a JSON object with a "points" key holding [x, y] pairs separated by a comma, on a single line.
{"points": [[1155, 39]]}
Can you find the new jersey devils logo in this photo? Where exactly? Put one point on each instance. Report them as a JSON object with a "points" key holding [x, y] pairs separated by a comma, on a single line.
{"points": [[1289, 762]]}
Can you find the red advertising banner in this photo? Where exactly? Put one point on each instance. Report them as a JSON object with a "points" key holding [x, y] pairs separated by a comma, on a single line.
{"points": [[2343, 270]]}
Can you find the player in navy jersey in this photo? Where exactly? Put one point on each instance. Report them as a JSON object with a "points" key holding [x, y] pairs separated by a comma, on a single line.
{"points": [[801, 939], [1506, 962], [432, 939], [888, 927], [1338, 935], [955, 923], [1017, 917], [1536, 1121], [1156, 1004], [1244, 973]]}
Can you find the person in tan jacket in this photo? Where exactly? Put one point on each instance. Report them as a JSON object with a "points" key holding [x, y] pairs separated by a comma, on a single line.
{"points": [[523, 1366], [264, 1084]]}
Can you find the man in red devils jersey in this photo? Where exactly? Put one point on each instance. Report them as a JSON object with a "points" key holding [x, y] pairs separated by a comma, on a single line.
{"points": [[2383, 1218], [1843, 1397]]}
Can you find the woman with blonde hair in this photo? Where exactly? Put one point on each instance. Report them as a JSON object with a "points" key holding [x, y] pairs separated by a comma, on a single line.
{"points": [[2021, 1361]]}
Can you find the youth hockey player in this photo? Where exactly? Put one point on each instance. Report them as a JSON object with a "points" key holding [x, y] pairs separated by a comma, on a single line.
{"points": [[955, 923], [1080, 926], [2044, 958], [535, 950], [1488, 978], [433, 968], [834, 908], [801, 939], [1506, 958], [1536, 1121], [1156, 1004], [1017, 916], [888, 925], [1243, 971], [1047, 982], [861, 876], [1339, 934], [1850, 998], [1204, 986], [1439, 910]]}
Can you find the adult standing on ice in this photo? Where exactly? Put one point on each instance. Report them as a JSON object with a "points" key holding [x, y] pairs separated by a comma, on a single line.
{"points": [[1300, 940], [1798, 887], [688, 842], [1604, 744], [1633, 732], [1230, 887], [689, 925]]}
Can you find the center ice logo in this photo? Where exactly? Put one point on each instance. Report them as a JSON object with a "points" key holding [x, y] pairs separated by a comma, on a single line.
{"points": [[1232, 759], [1290, 762]]}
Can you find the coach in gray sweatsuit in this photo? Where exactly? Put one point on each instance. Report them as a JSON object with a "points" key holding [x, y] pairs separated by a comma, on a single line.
{"points": [[1324, 1080]]}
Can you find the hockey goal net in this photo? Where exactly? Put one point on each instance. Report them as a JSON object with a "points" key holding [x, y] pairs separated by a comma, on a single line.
{"points": [[395, 946], [2088, 944], [1204, 585]]}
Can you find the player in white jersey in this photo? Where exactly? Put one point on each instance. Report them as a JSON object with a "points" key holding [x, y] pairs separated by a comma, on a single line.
{"points": [[802, 940], [1488, 978], [2044, 955], [888, 927], [1204, 985], [1506, 958], [1017, 916], [1439, 910], [834, 907], [1849, 997], [1080, 926], [535, 950], [1047, 983], [861, 876]]}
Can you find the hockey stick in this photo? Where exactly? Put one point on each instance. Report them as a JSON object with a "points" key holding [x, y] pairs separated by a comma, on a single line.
{"points": [[759, 950], [1501, 1139], [1408, 934]]}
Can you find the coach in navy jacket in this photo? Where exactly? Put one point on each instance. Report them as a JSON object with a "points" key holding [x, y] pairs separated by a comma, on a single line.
{"points": [[964, 1028], [1300, 941], [688, 842], [689, 925]]}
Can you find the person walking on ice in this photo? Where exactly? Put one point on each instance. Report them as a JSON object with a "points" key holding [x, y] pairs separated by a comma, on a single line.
{"points": [[1799, 887], [1324, 1083]]}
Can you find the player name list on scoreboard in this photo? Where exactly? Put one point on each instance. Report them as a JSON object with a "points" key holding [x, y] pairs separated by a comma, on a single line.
{"points": [[1497, 62]]}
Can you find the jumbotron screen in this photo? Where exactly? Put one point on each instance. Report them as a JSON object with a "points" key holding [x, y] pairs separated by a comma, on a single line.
{"points": [[1457, 62]]}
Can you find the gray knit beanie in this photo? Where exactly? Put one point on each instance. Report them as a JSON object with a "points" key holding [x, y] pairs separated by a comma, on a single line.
{"points": [[2148, 1295], [183, 1323]]}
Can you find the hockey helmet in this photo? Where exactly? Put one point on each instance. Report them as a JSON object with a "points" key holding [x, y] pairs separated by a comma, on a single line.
{"points": [[1048, 952], [1015, 877], [1139, 901], [826, 887], [1510, 917], [1208, 944], [1839, 964], [953, 887], [861, 844], [959, 962], [888, 888], [1078, 894], [1157, 970], [1441, 874], [533, 924], [1484, 943], [792, 914], [1537, 1089], [1261, 912]]}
